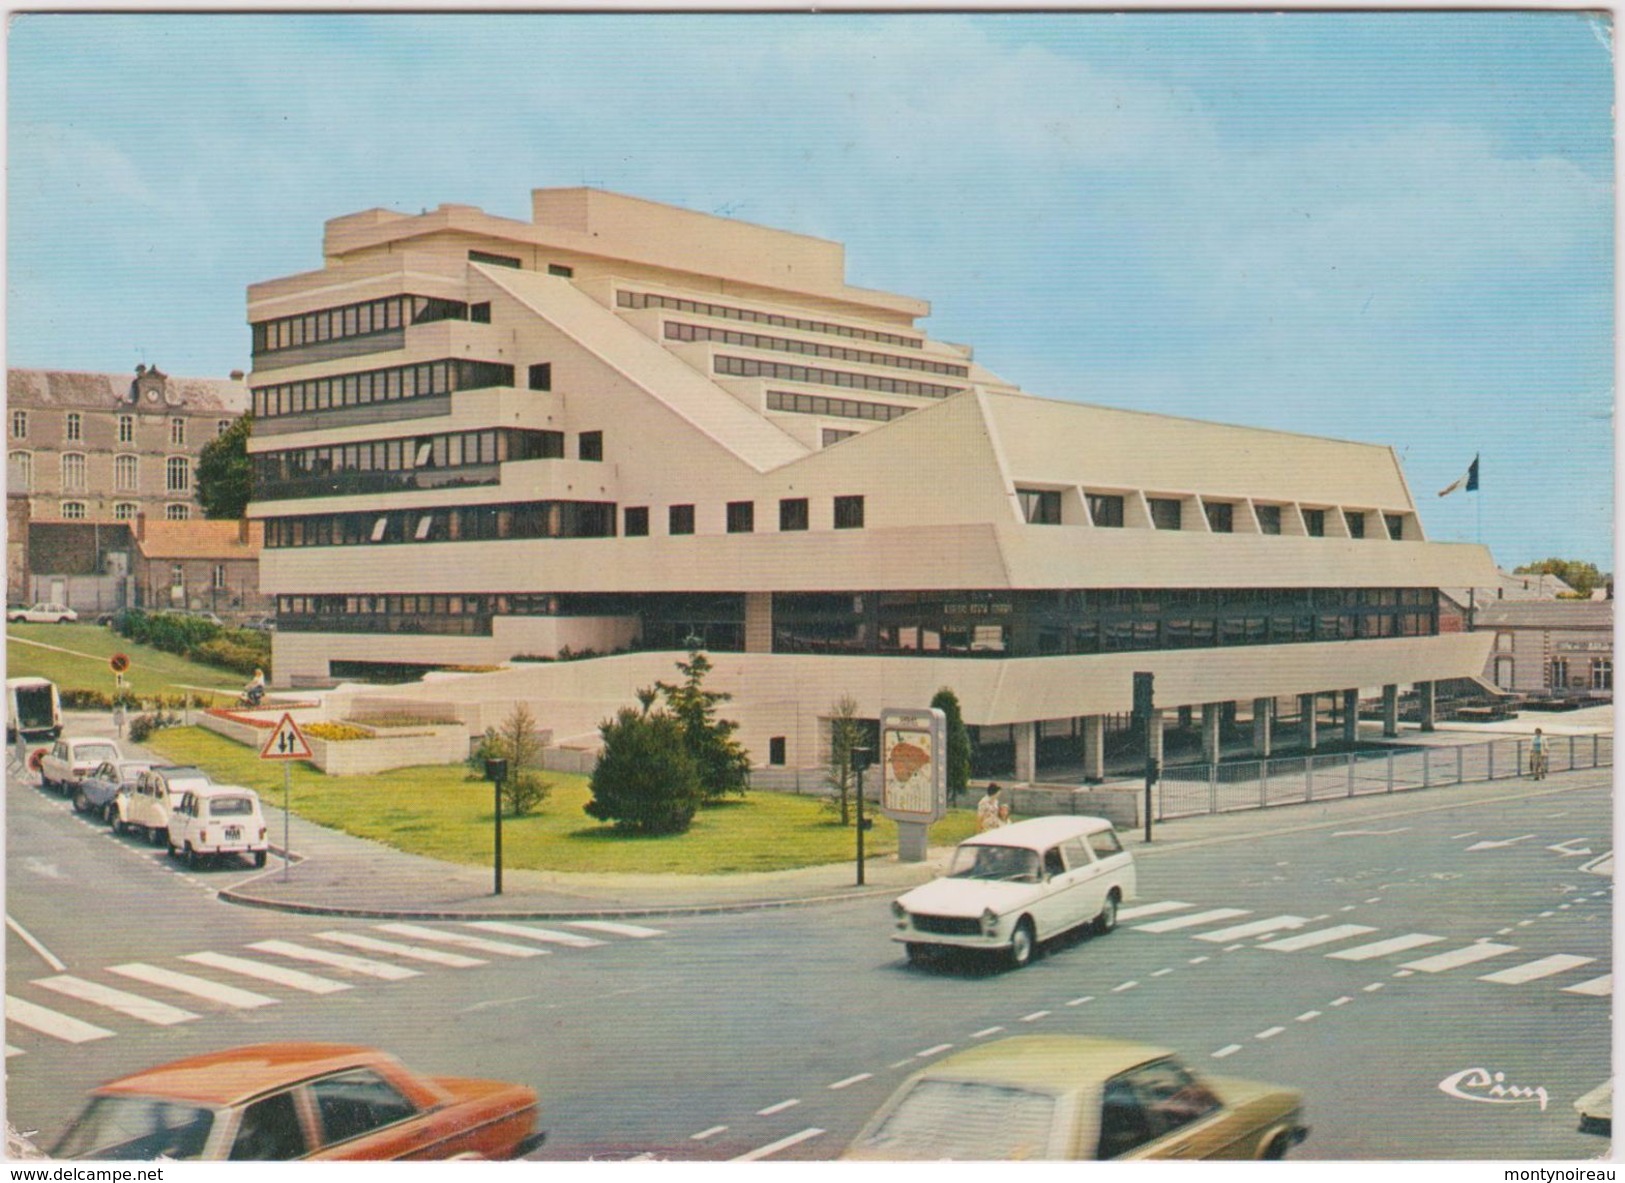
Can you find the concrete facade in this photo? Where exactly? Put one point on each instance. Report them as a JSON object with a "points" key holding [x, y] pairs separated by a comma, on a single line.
{"points": [[624, 426]]}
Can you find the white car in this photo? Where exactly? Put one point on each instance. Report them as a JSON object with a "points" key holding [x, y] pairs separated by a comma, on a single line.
{"points": [[146, 806], [68, 761], [1016, 886], [218, 819], [42, 613]]}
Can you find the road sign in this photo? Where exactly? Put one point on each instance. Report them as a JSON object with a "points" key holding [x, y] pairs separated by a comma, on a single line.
{"points": [[287, 742], [119, 662]]}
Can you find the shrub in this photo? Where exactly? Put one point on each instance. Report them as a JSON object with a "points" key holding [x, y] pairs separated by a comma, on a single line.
{"points": [[644, 780], [143, 726], [228, 654], [338, 732]]}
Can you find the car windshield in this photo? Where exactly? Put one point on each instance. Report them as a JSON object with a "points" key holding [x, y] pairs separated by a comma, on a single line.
{"points": [[95, 751], [956, 1119], [137, 1127], [1015, 863], [231, 807]]}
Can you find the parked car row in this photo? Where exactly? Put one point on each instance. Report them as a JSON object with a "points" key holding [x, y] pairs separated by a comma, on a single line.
{"points": [[168, 804]]}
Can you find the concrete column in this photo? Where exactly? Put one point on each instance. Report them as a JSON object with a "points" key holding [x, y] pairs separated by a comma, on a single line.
{"points": [[1351, 717], [1426, 691], [1311, 730], [1262, 710], [758, 622], [1210, 732], [1094, 749], [1390, 710], [1026, 751]]}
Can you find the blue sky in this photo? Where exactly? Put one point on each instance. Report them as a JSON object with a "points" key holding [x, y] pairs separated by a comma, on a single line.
{"points": [[1387, 227]]}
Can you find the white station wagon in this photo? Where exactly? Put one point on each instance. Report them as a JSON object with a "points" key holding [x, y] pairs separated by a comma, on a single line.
{"points": [[217, 819], [1015, 886]]}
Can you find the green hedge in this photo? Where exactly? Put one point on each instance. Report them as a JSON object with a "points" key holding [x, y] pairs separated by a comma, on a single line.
{"points": [[237, 649]]}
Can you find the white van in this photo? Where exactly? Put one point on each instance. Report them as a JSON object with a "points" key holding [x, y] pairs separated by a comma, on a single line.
{"points": [[33, 710]]}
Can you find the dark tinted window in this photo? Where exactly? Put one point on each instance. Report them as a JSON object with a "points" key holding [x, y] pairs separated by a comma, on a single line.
{"points": [[541, 376], [1356, 523], [741, 517], [1269, 518], [849, 513], [355, 1103], [637, 521], [592, 445], [1106, 509], [680, 519], [1314, 521], [1165, 513], [1147, 1102], [793, 513], [270, 1132], [1220, 516], [1041, 507]]}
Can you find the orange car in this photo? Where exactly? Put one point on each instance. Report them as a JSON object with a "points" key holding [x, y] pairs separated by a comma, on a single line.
{"points": [[278, 1101]]}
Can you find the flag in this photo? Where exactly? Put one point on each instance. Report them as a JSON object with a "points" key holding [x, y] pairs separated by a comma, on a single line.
{"points": [[1469, 480]]}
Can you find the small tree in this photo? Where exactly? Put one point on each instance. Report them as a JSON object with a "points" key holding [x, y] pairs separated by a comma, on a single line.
{"points": [[959, 749], [225, 477], [723, 765], [845, 733], [645, 780], [517, 743]]}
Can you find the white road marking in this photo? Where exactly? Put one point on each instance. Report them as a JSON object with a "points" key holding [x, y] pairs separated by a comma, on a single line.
{"points": [[1139, 910], [1197, 960], [33, 943], [360, 965], [1307, 1015], [188, 984], [1496, 845], [1348, 907], [1343, 1001], [50, 1022], [704, 1134], [1228, 1049], [159, 1013], [1034, 1017], [1597, 987], [550, 935], [1321, 936], [933, 1051], [1252, 928], [635, 931], [1200, 918], [297, 979], [1382, 948], [1124, 986], [1081, 1001], [1404, 973], [852, 1080], [1466, 955], [1376, 899], [1372, 988], [902, 1063], [779, 1108], [415, 952], [1463, 834], [1269, 1033], [1369, 833], [1505, 932], [1525, 923], [781, 1144], [479, 944], [1233, 948], [1157, 973], [984, 1033], [1530, 970], [1547, 915]]}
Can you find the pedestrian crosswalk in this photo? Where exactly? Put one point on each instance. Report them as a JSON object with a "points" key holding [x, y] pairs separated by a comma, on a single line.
{"points": [[1226, 925], [340, 960]]}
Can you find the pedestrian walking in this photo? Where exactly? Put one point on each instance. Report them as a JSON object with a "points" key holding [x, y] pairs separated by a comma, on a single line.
{"points": [[987, 810], [1537, 755]]}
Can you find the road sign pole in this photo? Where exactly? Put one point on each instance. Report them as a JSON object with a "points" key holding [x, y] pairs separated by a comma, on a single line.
{"points": [[287, 814]]}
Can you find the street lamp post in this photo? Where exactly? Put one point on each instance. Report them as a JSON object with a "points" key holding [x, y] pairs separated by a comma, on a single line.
{"points": [[859, 758], [496, 771]]}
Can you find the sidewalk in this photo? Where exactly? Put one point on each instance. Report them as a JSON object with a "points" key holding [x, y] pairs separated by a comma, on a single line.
{"points": [[336, 874]]}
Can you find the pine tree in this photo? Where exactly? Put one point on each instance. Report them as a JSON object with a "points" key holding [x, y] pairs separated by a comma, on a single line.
{"points": [[723, 765], [959, 749], [644, 780]]}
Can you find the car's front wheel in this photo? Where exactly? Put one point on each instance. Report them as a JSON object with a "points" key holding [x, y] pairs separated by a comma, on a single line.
{"points": [[259, 858], [192, 858], [79, 802], [1107, 920], [1022, 944]]}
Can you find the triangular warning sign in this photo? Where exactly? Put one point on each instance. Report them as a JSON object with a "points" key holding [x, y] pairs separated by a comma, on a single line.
{"points": [[287, 742]]}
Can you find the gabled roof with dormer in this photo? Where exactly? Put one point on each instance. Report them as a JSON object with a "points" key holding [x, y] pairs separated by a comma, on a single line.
{"points": [[78, 390]]}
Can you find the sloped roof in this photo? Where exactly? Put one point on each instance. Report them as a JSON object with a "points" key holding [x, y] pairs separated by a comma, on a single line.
{"points": [[201, 540], [648, 365], [89, 391], [1552, 614]]}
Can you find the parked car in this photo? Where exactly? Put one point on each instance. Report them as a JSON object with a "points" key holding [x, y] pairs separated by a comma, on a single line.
{"points": [[45, 612], [1075, 1097], [97, 789], [1013, 887], [213, 820], [276, 1102], [68, 760], [33, 710], [146, 806], [261, 624]]}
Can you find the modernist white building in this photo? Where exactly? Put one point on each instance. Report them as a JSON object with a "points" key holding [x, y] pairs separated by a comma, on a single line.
{"points": [[624, 427]]}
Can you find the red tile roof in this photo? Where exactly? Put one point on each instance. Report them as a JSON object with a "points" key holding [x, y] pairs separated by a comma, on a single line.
{"points": [[200, 540]]}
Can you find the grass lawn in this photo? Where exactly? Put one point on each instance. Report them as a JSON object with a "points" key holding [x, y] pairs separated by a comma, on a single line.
{"points": [[435, 811], [84, 665]]}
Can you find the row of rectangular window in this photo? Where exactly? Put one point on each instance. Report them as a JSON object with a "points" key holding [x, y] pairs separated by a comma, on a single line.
{"points": [[1043, 507], [627, 299], [422, 380], [749, 367], [794, 515], [557, 269], [74, 428], [354, 320], [123, 511], [329, 470], [126, 472], [677, 331], [843, 408], [466, 523]]}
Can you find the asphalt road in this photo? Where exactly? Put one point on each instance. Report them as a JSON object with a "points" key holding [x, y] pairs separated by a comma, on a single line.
{"points": [[778, 1032]]}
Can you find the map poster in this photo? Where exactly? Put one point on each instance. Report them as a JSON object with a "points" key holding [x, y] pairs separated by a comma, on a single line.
{"points": [[913, 773]]}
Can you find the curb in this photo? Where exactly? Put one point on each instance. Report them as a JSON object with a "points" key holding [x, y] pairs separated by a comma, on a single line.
{"points": [[629, 912]]}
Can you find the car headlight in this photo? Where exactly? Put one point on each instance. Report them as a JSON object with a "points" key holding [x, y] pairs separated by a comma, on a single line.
{"points": [[899, 913], [990, 921]]}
